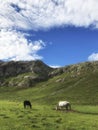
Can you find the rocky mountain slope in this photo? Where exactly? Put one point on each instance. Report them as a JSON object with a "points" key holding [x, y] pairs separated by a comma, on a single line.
{"points": [[23, 73], [27, 74], [77, 83]]}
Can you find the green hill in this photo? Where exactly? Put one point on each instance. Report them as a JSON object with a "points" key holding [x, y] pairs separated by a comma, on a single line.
{"points": [[23, 73], [41, 84], [44, 87]]}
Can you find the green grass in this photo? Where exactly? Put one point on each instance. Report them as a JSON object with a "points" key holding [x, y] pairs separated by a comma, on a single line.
{"points": [[43, 117], [81, 91]]}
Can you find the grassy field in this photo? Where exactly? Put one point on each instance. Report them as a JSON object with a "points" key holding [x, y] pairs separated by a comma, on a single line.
{"points": [[80, 91], [42, 117]]}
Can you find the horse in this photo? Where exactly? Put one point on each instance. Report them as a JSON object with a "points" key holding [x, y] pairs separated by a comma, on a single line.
{"points": [[63, 104], [27, 103]]}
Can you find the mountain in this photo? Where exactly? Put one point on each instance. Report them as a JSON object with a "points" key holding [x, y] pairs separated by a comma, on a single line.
{"points": [[27, 73], [23, 73], [77, 83], [76, 70]]}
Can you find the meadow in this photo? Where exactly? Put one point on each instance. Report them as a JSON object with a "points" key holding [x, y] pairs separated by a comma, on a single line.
{"points": [[43, 115], [80, 91]]}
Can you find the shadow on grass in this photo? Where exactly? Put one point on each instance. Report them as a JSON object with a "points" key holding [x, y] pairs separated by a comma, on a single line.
{"points": [[90, 113], [77, 111]]}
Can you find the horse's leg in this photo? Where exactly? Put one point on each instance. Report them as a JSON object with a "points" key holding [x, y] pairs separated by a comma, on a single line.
{"points": [[57, 107], [30, 106], [24, 105], [67, 107]]}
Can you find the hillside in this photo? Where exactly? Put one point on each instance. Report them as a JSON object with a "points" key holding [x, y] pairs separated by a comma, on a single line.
{"points": [[23, 73], [76, 83]]}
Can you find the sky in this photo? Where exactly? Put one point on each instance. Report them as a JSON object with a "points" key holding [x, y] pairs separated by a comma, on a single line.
{"points": [[58, 32]]}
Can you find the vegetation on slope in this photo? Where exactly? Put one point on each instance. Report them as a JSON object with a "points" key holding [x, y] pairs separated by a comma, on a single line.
{"points": [[23, 73], [76, 83]]}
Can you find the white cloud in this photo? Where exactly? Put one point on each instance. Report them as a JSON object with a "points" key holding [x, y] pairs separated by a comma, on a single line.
{"points": [[93, 57], [38, 14], [55, 66], [14, 46]]}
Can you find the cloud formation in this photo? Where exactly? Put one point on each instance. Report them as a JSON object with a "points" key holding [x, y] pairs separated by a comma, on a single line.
{"points": [[55, 66], [35, 15], [14, 46], [43, 14], [93, 57]]}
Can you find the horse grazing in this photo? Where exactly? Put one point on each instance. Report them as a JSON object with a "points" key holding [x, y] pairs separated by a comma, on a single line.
{"points": [[63, 104], [27, 103]]}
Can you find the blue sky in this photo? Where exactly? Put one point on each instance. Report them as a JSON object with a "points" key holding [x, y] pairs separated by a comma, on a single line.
{"points": [[58, 32], [68, 45]]}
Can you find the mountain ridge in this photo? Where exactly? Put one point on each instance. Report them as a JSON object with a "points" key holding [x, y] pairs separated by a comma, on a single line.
{"points": [[77, 83], [32, 71], [28, 73]]}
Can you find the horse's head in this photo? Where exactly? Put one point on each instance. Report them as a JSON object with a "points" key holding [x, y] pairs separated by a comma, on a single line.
{"points": [[57, 107]]}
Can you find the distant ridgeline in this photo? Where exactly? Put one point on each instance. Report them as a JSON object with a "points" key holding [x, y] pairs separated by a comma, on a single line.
{"points": [[28, 73], [23, 73]]}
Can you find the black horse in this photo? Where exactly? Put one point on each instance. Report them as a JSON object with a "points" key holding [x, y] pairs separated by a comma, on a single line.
{"points": [[27, 103]]}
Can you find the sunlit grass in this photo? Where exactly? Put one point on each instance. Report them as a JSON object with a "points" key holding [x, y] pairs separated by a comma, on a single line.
{"points": [[81, 92], [44, 117]]}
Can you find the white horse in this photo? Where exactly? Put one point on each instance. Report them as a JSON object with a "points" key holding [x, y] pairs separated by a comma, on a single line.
{"points": [[63, 104]]}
